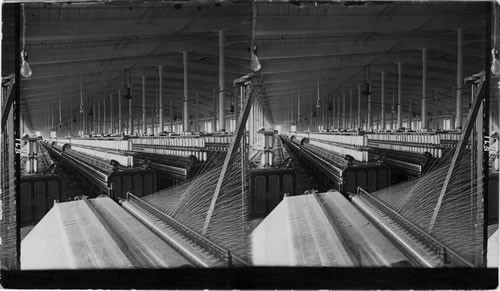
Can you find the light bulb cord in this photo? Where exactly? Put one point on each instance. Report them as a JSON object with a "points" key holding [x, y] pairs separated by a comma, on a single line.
{"points": [[494, 25], [317, 88], [24, 28], [254, 24]]}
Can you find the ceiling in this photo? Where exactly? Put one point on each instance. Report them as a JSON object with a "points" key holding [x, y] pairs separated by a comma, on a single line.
{"points": [[82, 49]]}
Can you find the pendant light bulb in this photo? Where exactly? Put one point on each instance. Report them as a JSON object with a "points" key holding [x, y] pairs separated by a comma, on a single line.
{"points": [[25, 66], [495, 64], [255, 63]]}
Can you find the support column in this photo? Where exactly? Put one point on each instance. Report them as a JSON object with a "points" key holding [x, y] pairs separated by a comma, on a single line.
{"points": [[104, 127], [298, 109], [400, 104], [359, 107], [215, 110], [111, 114], [52, 128], [460, 78], [197, 125], [160, 97], [94, 116], [350, 109], [338, 115], [344, 119], [144, 105], [186, 127], [130, 125], [119, 112], [424, 90], [153, 121], [171, 117], [382, 101], [334, 112], [453, 115], [222, 112], [99, 117], [369, 113], [411, 113], [435, 110]]}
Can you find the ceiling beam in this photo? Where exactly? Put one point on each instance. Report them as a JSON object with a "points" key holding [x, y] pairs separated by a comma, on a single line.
{"points": [[102, 29], [275, 25]]}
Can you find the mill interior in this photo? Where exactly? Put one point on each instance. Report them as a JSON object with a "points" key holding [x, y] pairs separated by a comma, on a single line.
{"points": [[167, 134]]}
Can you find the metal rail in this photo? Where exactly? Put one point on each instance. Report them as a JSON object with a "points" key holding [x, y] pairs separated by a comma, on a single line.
{"points": [[204, 243], [330, 170], [414, 230]]}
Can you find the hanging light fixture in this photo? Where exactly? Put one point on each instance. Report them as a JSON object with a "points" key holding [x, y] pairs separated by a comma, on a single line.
{"points": [[254, 61], [495, 62], [255, 65], [495, 59], [25, 66]]}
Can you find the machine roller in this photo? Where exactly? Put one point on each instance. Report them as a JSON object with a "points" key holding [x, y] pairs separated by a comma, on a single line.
{"points": [[342, 171], [103, 173]]}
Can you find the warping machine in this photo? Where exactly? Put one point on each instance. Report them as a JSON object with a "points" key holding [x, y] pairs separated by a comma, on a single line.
{"points": [[177, 158], [271, 176], [40, 185], [410, 153], [342, 160], [98, 233], [105, 166], [328, 229]]}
